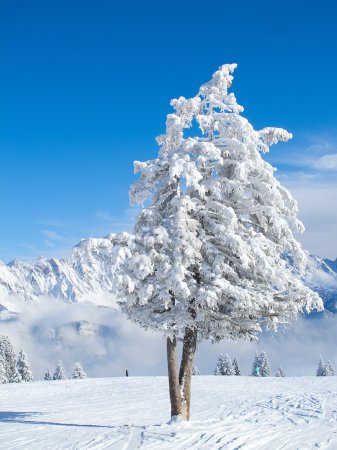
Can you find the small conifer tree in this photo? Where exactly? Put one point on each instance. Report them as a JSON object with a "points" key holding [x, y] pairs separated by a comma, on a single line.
{"points": [[195, 371], [256, 366], [23, 367], [228, 366], [219, 368], [3, 376], [329, 369], [59, 373], [321, 369], [261, 366], [280, 372], [8, 355], [324, 369], [265, 367], [47, 375], [78, 372], [15, 377], [236, 367]]}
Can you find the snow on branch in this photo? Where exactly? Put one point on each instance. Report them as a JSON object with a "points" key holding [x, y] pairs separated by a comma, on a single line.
{"points": [[208, 248]]}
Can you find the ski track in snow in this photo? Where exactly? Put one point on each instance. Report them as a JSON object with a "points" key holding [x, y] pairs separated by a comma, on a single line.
{"points": [[130, 413]]}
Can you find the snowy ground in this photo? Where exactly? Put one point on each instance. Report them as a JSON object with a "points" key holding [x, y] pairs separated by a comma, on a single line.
{"points": [[127, 413]]}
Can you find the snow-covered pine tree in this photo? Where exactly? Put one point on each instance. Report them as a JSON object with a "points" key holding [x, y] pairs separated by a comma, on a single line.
{"points": [[324, 369], [227, 366], [256, 366], [15, 377], [264, 365], [219, 368], [8, 355], [195, 371], [206, 260], [236, 367], [261, 367], [329, 369], [321, 369], [47, 375], [3, 375], [23, 367], [59, 373], [78, 372], [280, 372]]}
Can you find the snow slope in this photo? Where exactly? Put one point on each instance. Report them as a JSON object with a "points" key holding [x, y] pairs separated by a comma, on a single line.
{"points": [[130, 413]]}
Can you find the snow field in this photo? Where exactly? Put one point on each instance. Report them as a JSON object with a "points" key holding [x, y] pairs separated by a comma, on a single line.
{"points": [[130, 413]]}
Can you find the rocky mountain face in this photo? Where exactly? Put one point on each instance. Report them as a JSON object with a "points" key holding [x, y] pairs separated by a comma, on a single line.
{"points": [[90, 272], [321, 276]]}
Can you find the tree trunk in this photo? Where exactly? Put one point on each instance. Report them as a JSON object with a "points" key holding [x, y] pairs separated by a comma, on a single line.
{"points": [[175, 396], [185, 372]]}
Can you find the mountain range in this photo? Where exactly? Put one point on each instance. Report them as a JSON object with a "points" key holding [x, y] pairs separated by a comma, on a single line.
{"points": [[90, 270]]}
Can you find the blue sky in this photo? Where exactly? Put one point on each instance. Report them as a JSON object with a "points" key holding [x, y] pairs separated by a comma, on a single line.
{"points": [[85, 88]]}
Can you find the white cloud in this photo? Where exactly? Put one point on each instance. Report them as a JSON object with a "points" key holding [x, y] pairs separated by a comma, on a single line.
{"points": [[308, 170], [117, 223], [326, 162], [316, 152], [318, 212], [52, 235], [99, 337], [106, 343]]}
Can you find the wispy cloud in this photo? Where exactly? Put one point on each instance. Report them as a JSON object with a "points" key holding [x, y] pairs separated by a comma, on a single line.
{"points": [[118, 222], [308, 170], [58, 237], [53, 238], [314, 151], [326, 162], [316, 201], [52, 235]]}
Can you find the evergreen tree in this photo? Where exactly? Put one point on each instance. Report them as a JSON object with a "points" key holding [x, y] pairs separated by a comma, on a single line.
{"points": [[23, 367], [8, 355], [265, 367], [236, 367], [3, 375], [321, 369], [228, 366], [256, 366], [261, 366], [280, 372], [59, 373], [329, 369], [78, 372], [219, 368], [206, 260], [15, 377], [47, 375], [195, 371], [324, 369]]}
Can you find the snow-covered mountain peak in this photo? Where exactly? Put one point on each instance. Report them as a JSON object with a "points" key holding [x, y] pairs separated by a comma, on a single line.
{"points": [[89, 272]]}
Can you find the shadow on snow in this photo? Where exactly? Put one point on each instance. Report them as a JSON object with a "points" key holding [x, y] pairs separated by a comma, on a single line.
{"points": [[23, 417]]}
